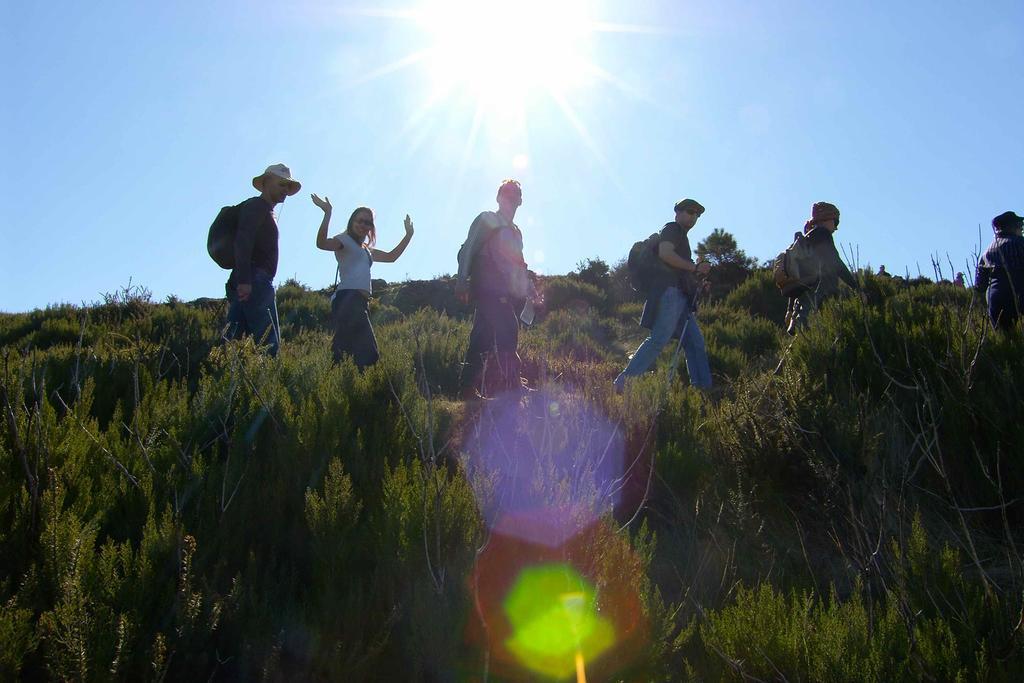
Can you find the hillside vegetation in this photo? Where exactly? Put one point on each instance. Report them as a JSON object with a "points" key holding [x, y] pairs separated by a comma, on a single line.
{"points": [[845, 505]]}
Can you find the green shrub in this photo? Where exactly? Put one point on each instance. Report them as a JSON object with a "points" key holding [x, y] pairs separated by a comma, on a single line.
{"points": [[572, 294], [175, 507], [759, 296], [572, 334]]}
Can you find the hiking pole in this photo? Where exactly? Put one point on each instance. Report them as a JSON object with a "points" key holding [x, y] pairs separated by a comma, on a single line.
{"points": [[675, 355]]}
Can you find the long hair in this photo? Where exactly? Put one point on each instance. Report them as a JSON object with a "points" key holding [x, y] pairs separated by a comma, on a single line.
{"points": [[371, 234]]}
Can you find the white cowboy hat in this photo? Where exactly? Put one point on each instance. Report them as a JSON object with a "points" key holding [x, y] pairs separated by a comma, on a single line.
{"points": [[281, 171]]}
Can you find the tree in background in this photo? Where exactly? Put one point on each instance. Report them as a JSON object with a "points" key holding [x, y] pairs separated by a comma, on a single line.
{"points": [[594, 272], [613, 280], [731, 265]]}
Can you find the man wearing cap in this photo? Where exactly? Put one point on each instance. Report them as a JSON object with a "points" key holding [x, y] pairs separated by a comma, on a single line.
{"points": [[1000, 273], [493, 272], [669, 309], [820, 266], [252, 307]]}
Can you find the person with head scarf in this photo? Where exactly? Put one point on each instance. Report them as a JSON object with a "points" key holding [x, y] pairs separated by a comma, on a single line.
{"points": [[1000, 273], [819, 265]]}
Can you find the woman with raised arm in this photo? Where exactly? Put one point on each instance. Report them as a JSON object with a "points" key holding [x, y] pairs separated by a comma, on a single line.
{"points": [[355, 253]]}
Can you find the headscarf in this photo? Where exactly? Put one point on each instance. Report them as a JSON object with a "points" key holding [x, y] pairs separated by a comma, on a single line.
{"points": [[821, 212]]}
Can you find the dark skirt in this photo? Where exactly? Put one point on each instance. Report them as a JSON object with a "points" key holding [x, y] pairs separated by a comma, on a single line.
{"points": [[353, 333]]}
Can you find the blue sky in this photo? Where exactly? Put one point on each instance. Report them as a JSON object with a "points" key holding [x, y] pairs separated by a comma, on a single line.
{"points": [[127, 125]]}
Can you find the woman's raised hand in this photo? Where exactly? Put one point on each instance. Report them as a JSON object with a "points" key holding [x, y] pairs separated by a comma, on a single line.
{"points": [[324, 204], [408, 225]]}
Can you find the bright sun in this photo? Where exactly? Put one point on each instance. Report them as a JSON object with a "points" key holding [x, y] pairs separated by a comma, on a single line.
{"points": [[500, 49]]}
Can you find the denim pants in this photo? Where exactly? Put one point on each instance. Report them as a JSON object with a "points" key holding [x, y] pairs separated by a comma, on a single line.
{"points": [[257, 316], [353, 333], [673, 313], [495, 328]]}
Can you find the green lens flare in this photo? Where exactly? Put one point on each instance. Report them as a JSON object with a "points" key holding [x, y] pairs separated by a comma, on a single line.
{"points": [[554, 620]]}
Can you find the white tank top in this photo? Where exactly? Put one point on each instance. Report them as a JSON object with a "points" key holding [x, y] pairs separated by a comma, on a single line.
{"points": [[353, 265]]}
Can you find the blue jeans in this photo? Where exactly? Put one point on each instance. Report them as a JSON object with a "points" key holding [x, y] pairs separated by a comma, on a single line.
{"points": [[673, 313], [257, 315]]}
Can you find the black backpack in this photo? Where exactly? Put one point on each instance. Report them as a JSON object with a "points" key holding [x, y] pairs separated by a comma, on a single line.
{"points": [[220, 243], [643, 263]]}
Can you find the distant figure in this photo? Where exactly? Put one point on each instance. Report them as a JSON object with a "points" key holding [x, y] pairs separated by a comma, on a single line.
{"points": [[821, 259], [493, 272], [252, 306], [669, 306], [353, 249], [958, 281], [1001, 271], [882, 272]]}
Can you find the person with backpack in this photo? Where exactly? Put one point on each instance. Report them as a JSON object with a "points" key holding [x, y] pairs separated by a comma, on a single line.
{"points": [[814, 266], [252, 304], [494, 274], [670, 286], [354, 250], [1000, 273]]}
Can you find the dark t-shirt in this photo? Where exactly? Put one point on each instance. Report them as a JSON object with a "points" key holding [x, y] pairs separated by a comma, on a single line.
{"points": [[667, 276], [255, 241]]}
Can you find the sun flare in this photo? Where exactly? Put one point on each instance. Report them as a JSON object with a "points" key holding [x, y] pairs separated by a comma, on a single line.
{"points": [[500, 50]]}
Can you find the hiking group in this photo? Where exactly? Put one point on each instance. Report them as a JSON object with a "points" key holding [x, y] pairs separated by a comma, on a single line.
{"points": [[494, 277]]}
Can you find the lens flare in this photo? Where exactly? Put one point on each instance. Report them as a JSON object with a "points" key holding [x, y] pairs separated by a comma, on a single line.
{"points": [[555, 621], [553, 466], [552, 610]]}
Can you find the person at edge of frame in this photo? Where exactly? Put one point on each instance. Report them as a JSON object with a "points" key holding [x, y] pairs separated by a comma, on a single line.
{"points": [[1000, 272]]}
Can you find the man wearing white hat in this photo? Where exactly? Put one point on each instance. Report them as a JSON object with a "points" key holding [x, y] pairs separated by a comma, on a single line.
{"points": [[252, 305]]}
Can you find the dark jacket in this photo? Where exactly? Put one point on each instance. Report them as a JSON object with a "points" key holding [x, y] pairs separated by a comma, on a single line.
{"points": [[1002, 265], [820, 266], [1000, 276]]}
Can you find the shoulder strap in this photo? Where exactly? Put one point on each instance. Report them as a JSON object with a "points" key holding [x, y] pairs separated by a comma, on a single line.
{"points": [[337, 267]]}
